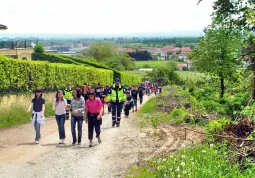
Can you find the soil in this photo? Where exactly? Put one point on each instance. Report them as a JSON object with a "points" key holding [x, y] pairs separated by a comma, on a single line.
{"points": [[121, 148]]}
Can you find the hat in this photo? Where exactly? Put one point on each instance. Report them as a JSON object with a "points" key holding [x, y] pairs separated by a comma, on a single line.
{"points": [[67, 83], [38, 90], [117, 80]]}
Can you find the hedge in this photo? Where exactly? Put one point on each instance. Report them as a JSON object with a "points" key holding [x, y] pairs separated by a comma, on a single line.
{"points": [[53, 58], [20, 76], [128, 79]]}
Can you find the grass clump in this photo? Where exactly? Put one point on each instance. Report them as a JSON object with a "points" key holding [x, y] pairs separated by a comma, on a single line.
{"points": [[16, 115]]}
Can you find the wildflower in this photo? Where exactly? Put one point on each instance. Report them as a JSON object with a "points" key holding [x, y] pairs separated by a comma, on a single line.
{"points": [[191, 159], [203, 151], [182, 164], [184, 172], [211, 145], [179, 175], [183, 146], [164, 160], [178, 169], [192, 163], [183, 156]]}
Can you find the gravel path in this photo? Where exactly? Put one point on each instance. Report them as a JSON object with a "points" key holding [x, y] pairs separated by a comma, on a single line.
{"points": [[121, 147]]}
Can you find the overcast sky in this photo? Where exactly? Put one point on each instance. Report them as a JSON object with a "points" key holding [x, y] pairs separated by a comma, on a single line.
{"points": [[104, 16]]}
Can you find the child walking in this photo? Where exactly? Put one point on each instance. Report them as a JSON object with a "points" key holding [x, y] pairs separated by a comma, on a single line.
{"points": [[127, 104], [60, 105], [38, 104], [94, 110]]}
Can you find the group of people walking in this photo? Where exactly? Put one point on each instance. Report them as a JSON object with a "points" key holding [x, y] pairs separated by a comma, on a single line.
{"points": [[86, 104]]}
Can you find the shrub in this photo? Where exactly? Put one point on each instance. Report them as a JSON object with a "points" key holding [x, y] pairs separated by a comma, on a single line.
{"points": [[17, 75], [215, 126]]}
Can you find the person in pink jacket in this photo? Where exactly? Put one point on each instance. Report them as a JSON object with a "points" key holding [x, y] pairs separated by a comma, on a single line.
{"points": [[94, 110]]}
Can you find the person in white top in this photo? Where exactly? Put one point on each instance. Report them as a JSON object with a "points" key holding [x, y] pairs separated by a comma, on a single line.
{"points": [[60, 105]]}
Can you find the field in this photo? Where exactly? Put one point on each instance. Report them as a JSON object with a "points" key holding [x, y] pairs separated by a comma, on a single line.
{"points": [[140, 64], [194, 76]]}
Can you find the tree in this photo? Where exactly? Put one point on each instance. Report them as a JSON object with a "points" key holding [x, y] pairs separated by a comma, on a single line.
{"points": [[217, 52], [241, 15], [120, 62], [163, 75], [101, 51], [172, 65], [38, 48]]}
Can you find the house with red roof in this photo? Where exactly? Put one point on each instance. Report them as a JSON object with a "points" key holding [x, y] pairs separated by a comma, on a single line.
{"points": [[180, 66], [185, 50]]}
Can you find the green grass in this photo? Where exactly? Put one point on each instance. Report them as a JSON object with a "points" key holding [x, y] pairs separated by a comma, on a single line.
{"points": [[17, 115], [210, 161], [140, 64], [188, 75]]}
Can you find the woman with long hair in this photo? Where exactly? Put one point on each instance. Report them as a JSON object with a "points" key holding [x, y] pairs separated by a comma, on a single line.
{"points": [[77, 115], [60, 105], [38, 104]]}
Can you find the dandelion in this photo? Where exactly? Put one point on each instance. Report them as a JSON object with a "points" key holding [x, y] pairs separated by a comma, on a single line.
{"points": [[211, 145], [183, 146], [179, 175], [182, 164], [164, 160], [203, 151], [183, 156], [191, 159], [184, 172]]}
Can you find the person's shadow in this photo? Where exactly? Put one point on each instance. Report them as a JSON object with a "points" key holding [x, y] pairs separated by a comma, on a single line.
{"points": [[28, 143]]}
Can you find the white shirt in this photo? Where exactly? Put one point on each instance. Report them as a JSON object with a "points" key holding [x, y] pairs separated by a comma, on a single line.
{"points": [[59, 108]]}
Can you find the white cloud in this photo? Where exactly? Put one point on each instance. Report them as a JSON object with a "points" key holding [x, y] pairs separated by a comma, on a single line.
{"points": [[103, 16]]}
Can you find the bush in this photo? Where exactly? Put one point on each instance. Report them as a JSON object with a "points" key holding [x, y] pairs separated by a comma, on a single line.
{"points": [[215, 126], [129, 79], [17, 75]]}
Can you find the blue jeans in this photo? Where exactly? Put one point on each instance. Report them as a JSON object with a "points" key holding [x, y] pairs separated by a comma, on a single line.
{"points": [[79, 128], [37, 127], [61, 125]]}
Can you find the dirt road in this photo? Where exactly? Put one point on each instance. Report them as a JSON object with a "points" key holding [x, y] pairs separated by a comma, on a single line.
{"points": [[121, 147]]}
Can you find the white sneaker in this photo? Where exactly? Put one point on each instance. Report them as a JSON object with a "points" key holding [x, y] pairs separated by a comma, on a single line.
{"points": [[60, 141], [63, 141], [37, 142], [90, 144]]}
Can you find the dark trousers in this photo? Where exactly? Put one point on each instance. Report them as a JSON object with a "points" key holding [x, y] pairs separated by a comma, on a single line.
{"points": [[126, 109], [67, 111], [61, 125], [109, 108], [116, 110], [94, 123], [79, 120], [141, 99]]}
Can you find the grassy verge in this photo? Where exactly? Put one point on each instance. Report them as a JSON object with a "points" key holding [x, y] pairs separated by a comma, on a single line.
{"points": [[17, 115], [203, 160], [216, 160]]}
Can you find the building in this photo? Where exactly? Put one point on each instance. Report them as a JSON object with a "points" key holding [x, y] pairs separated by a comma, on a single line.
{"points": [[3, 27]]}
